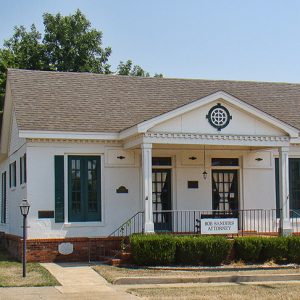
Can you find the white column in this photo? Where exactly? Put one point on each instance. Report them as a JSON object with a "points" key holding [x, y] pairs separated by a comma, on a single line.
{"points": [[285, 225], [147, 186]]}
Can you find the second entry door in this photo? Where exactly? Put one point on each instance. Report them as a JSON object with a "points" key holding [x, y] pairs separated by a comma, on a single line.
{"points": [[161, 197]]}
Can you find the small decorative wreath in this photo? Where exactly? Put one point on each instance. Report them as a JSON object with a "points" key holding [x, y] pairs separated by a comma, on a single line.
{"points": [[218, 116]]}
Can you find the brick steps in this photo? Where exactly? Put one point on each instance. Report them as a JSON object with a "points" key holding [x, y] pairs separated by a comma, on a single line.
{"points": [[117, 259]]}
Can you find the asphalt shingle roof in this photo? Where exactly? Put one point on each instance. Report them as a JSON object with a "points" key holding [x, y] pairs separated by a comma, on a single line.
{"points": [[86, 102]]}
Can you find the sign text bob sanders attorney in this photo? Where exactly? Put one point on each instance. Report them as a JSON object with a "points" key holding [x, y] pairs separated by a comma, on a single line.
{"points": [[219, 226]]}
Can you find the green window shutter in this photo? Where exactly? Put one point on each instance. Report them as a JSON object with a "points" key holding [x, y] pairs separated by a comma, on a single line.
{"points": [[59, 189], [10, 175], [25, 169], [21, 179], [294, 186], [15, 173]]}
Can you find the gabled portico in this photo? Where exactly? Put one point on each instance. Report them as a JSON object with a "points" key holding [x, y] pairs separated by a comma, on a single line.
{"points": [[247, 129]]}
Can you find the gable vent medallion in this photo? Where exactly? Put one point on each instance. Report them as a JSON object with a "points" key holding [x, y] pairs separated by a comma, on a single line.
{"points": [[219, 116]]}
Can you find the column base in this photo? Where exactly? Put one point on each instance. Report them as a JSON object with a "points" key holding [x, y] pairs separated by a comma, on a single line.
{"points": [[285, 231], [149, 227], [286, 228]]}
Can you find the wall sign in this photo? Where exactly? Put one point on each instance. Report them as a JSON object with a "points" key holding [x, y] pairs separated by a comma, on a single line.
{"points": [[219, 116], [122, 190], [65, 248], [219, 226], [45, 214], [193, 184]]}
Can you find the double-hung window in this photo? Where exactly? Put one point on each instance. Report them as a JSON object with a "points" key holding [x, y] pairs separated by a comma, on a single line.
{"points": [[13, 174], [23, 169], [84, 188]]}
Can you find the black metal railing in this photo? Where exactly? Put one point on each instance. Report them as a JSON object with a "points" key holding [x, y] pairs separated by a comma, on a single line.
{"points": [[295, 221], [250, 221], [133, 225]]}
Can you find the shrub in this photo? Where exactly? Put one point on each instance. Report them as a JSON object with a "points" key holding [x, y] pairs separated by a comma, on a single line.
{"points": [[248, 249], [293, 249], [153, 249], [189, 250], [215, 249], [210, 250], [274, 249]]}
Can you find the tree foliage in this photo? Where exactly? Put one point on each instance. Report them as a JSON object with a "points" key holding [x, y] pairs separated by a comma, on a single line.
{"points": [[127, 68], [72, 45], [69, 43]]}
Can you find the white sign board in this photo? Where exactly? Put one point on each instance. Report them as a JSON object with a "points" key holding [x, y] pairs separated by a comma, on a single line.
{"points": [[219, 226]]}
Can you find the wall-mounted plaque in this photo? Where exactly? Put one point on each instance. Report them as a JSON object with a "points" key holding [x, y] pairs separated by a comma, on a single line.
{"points": [[193, 184], [122, 190], [65, 248], [46, 214]]}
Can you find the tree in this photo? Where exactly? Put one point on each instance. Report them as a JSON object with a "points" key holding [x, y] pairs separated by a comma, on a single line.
{"points": [[72, 45], [22, 51], [129, 69], [69, 43]]}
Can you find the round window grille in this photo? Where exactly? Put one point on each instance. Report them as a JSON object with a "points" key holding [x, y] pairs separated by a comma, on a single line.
{"points": [[218, 116]]}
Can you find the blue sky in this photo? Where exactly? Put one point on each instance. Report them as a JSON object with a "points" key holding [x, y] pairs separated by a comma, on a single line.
{"points": [[224, 39]]}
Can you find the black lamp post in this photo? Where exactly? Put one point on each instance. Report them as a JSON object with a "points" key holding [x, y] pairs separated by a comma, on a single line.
{"points": [[24, 207]]}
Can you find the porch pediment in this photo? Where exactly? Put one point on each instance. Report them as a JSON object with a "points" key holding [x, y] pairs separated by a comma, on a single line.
{"points": [[200, 120], [216, 114]]}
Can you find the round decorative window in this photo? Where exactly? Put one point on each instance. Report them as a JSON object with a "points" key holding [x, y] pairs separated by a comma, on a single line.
{"points": [[218, 116]]}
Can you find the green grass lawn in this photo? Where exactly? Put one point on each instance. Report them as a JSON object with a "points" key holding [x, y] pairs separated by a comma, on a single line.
{"points": [[11, 273], [224, 292], [111, 274]]}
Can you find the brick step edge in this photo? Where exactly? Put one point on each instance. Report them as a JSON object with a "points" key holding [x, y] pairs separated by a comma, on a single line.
{"points": [[208, 279], [116, 262]]}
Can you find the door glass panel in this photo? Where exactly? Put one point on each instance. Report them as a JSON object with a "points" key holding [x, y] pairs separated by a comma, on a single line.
{"points": [[225, 190], [92, 185], [161, 197], [76, 186], [224, 162], [158, 177], [161, 161]]}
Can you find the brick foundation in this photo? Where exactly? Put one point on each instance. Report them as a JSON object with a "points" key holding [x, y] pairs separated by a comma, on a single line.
{"points": [[46, 250], [2, 234]]}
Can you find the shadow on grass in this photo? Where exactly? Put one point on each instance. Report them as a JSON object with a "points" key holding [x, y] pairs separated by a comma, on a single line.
{"points": [[265, 286]]}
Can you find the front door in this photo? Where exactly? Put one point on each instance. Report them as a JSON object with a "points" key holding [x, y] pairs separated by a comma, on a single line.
{"points": [[225, 191], [161, 197]]}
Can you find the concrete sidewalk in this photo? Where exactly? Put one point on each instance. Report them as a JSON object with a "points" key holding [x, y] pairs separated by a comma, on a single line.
{"points": [[78, 281]]}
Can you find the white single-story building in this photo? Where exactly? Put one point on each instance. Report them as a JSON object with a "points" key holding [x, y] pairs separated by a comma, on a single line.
{"points": [[98, 156]]}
